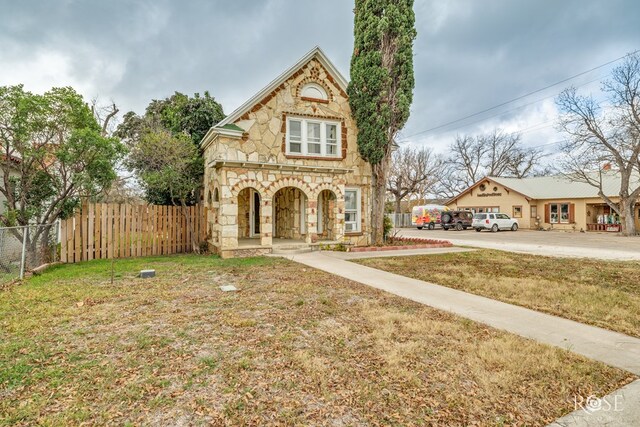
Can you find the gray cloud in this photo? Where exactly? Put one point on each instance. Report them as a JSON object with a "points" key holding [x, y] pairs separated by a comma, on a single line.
{"points": [[469, 54]]}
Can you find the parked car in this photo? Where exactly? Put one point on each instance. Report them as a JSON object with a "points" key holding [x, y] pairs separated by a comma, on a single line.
{"points": [[460, 220], [427, 216], [494, 222]]}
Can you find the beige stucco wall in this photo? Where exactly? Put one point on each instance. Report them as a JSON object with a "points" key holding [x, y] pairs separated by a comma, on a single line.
{"points": [[580, 214], [585, 213], [505, 201], [262, 147]]}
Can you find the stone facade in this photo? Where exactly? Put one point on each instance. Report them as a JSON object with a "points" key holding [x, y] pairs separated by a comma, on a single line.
{"points": [[249, 152]]}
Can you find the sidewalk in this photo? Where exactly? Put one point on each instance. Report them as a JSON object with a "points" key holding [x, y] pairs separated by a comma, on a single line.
{"points": [[618, 409], [547, 243], [611, 348], [401, 252]]}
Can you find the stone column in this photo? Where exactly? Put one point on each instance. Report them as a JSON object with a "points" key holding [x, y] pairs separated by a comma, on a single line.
{"points": [[266, 222], [229, 223], [338, 213], [312, 221]]}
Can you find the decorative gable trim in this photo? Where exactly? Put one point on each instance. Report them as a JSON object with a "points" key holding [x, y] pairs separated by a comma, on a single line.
{"points": [[264, 96], [488, 180], [322, 101]]}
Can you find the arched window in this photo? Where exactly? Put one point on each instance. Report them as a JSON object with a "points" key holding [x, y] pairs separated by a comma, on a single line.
{"points": [[314, 91], [209, 200], [216, 197]]}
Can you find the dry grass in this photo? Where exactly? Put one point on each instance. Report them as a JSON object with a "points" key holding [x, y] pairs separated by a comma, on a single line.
{"points": [[600, 293], [294, 346]]}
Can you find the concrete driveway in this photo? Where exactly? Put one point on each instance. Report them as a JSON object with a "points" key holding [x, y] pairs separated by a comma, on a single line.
{"points": [[608, 246]]}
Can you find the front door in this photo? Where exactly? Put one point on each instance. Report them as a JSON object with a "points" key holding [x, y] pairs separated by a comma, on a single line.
{"points": [[254, 215]]}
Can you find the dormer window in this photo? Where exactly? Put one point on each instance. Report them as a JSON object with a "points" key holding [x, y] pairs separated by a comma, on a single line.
{"points": [[314, 91], [313, 138]]}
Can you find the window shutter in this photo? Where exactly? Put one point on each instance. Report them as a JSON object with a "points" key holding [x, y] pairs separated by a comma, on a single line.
{"points": [[547, 213], [572, 213]]}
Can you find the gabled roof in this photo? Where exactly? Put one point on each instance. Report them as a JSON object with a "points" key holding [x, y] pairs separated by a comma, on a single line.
{"points": [[315, 53], [555, 187], [561, 187], [480, 181]]}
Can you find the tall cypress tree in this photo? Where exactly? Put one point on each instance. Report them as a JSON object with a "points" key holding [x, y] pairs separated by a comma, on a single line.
{"points": [[381, 87]]}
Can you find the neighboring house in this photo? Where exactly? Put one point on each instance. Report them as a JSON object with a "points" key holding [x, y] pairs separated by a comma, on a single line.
{"points": [[546, 202], [284, 167]]}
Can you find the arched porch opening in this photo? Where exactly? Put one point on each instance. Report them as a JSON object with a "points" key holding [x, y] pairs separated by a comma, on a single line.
{"points": [[290, 214], [249, 224], [327, 215]]}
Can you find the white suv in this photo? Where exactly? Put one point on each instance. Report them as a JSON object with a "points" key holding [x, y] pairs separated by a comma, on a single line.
{"points": [[494, 222]]}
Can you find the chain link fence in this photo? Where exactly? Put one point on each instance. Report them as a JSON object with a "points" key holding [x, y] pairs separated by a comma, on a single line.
{"points": [[25, 248]]}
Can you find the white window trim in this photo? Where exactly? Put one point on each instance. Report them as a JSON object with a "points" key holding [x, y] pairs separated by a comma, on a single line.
{"points": [[323, 93], [323, 138], [559, 219], [358, 221]]}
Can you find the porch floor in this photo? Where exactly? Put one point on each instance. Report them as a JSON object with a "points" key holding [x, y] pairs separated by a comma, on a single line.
{"points": [[276, 241], [249, 243]]}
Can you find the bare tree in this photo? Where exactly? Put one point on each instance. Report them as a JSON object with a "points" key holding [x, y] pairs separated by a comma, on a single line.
{"points": [[450, 184], [466, 157], [412, 172], [495, 154], [105, 115], [122, 190], [610, 135]]}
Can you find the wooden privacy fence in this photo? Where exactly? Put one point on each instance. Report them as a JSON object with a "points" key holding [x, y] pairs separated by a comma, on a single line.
{"points": [[102, 230]]}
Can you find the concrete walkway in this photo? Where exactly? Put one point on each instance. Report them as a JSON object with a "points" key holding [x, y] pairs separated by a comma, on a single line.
{"points": [[548, 243], [609, 347], [618, 409], [400, 252]]}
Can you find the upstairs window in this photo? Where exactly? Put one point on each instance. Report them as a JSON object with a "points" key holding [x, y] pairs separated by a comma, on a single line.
{"points": [[295, 137], [313, 138]]}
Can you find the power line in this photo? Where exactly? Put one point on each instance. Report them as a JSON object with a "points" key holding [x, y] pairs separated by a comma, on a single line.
{"points": [[503, 112], [521, 97]]}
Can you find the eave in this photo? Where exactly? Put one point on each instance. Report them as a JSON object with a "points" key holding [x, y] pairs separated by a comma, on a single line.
{"points": [[480, 181], [317, 53]]}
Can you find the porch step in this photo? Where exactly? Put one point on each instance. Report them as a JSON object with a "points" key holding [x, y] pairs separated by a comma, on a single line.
{"points": [[291, 249]]}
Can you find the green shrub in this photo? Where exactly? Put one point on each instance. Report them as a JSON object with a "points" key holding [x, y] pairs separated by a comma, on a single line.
{"points": [[387, 226]]}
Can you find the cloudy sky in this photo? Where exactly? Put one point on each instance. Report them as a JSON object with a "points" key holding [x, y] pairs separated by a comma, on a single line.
{"points": [[470, 55]]}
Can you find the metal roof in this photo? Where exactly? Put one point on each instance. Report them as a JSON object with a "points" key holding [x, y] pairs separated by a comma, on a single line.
{"points": [[562, 187]]}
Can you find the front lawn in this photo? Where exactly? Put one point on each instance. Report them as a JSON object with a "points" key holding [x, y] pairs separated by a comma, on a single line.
{"points": [[600, 293], [294, 346]]}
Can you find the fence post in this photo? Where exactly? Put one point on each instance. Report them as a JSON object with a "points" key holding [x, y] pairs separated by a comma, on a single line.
{"points": [[23, 259]]}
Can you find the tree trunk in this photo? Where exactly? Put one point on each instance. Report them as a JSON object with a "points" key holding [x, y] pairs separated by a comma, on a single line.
{"points": [[378, 193], [398, 205], [627, 217]]}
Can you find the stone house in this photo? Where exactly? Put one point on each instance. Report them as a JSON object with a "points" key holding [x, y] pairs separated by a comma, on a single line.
{"points": [[283, 170]]}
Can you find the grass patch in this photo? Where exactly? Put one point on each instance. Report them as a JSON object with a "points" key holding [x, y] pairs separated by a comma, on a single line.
{"points": [[294, 346], [599, 293]]}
